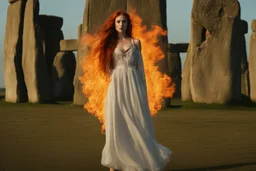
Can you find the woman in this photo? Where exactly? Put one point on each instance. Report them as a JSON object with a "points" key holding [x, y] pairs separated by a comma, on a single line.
{"points": [[130, 141]]}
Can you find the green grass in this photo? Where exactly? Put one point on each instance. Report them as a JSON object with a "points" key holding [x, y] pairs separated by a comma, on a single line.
{"points": [[212, 136], [8, 104], [245, 104], [175, 104], [64, 137]]}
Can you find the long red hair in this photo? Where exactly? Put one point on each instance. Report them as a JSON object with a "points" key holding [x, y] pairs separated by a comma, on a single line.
{"points": [[107, 40]]}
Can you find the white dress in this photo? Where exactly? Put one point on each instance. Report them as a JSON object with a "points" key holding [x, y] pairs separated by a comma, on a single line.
{"points": [[130, 140]]}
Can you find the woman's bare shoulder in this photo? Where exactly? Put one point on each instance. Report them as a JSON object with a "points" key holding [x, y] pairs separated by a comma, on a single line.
{"points": [[137, 43]]}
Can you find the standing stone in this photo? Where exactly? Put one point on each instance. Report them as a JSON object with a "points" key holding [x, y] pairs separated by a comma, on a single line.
{"points": [[79, 97], [50, 22], [195, 41], [80, 31], [68, 45], [153, 12], [253, 25], [52, 46], [174, 66], [12, 1], [33, 58], [53, 35], [63, 75], [245, 81], [215, 74], [99, 11], [252, 62], [16, 90]]}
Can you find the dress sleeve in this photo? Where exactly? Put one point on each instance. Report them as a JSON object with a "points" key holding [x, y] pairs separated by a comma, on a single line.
{"points": [[141, 69]]}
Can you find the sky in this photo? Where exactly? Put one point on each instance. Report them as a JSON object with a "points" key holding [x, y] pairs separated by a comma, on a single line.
{"points": [[178, 20]]}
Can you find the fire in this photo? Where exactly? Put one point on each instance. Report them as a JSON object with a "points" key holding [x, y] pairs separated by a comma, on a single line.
{"points": [[158, 84], [95, 85]]}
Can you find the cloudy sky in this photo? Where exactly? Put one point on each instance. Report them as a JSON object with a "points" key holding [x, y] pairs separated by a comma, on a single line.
{"points": [[178, 19]]}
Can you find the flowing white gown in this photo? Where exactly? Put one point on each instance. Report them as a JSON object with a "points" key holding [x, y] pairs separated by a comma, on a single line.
{"points": [[130, 139]]}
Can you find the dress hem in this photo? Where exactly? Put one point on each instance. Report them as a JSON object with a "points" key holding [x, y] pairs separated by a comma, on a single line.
{"points": [[138, 168]]}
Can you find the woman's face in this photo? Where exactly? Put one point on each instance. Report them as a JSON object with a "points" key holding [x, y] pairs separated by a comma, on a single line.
{"points": [[121, 24]]}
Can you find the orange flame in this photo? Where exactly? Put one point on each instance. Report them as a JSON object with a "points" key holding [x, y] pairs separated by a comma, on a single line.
{"points": [[95, 85]]}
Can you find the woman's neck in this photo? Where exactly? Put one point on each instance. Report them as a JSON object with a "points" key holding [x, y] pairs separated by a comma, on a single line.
{"points": [[122, 36]]}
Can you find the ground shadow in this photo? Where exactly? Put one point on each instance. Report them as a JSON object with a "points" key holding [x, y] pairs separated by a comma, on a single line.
{"points": [[2, 94], [244, 104], [229, 166], [51, 102], [175, 106], [2, 97]]}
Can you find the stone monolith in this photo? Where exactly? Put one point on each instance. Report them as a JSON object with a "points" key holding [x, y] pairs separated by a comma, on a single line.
{"points": [[63, 75], [33, 58], [174, 68], [213, 64], [16, 90], [252, 62]]}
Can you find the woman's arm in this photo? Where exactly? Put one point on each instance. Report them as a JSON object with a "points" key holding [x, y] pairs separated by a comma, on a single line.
{"points": [[140, 66], [137, 43]]}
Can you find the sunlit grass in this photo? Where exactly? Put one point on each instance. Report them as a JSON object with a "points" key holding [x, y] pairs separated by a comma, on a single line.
{"points": [[175, 104]]}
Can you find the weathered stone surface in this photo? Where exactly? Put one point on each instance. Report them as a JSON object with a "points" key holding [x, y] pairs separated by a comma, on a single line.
{"points": [[245, 86], [50, 22], [63, 75], [80, 31], [79, 97], [12, 1], [68, 45], [244, 26], [252, 66], [51, 43], [13, 74], [144, 9], [194, 42], [174, 67], [52, 47], [245, 83], [97, 11], [178, 47], [33, 59], [215, 74], [253, 25]]}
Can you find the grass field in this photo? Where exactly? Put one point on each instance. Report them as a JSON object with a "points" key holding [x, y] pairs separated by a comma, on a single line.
{"points": [[63, 137]]}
